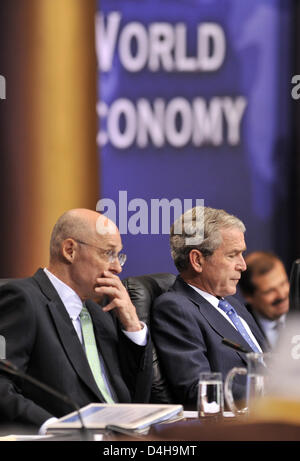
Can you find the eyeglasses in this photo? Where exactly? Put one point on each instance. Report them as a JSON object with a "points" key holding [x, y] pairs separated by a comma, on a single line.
{"points": [[110, 254]]}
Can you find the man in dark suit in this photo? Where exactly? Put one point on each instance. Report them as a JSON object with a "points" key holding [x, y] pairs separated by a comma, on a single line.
{"points": [[265, 287], [102, 356], [191, 319]]}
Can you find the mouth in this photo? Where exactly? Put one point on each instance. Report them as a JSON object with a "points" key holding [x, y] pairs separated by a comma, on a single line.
{"points": [[279, 302]]}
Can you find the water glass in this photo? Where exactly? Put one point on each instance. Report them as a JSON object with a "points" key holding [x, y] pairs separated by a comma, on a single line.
{"points": [[210, 396]]}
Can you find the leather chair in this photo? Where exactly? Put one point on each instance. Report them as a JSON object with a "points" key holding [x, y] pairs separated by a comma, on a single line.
{"points": [[4, 281], [295, 287], [143, 290], [2, 339]]}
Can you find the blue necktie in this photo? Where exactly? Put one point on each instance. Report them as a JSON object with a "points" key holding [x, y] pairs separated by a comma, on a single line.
{"points": [[231, 312]]}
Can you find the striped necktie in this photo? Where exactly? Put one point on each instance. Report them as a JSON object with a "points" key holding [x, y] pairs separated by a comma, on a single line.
{"points": [[92, 353], [232, 314]]}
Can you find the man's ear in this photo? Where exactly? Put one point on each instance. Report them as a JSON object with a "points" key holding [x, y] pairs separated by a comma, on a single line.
{"points": [[69, 248], [196, 260]]}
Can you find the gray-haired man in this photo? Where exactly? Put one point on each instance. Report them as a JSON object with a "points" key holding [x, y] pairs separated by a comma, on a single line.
{"points": [[190, 320]]}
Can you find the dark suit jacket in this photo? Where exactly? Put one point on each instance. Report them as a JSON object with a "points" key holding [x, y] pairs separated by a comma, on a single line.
{"points": [[41, 341], [188, 331], [252, 312]]}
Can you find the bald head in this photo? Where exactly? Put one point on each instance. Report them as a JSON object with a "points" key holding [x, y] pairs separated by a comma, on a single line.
{"points": [[79, 224]]}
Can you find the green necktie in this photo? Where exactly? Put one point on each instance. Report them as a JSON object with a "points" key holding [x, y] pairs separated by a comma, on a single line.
{"points": [[92, 352]]}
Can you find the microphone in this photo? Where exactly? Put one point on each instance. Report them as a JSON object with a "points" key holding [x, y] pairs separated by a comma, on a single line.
{"points": [[239, 348], [12, 369], [234, 345]]}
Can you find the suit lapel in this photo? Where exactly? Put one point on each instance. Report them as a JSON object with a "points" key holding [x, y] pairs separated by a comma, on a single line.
{"points": [[254, 327], [66, 332], [258, 325], [215, 319]]}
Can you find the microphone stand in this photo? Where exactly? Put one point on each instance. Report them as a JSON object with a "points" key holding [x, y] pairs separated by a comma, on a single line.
{"points": [[10, 368]]}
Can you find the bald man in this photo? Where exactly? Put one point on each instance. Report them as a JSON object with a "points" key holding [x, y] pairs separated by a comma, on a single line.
{"points": [[56, 331]]}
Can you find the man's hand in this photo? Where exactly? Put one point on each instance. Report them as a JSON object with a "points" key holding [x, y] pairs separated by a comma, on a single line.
{"points": [[112, 286]]}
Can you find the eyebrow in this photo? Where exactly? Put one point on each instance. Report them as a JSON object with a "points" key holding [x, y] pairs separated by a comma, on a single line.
{"points": [[111, 246], [286, 280], [236, 250]]}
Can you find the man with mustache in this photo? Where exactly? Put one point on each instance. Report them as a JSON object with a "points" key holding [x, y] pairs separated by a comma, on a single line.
{"points": [[190, 321], [265, 287]]}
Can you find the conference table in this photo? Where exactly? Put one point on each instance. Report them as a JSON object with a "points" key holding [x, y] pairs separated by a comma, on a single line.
{"points": [[184, 430]]}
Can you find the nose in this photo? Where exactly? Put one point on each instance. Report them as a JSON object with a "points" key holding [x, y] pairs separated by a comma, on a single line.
{"points": [[242, 266], [115, 266], [283, 291]]}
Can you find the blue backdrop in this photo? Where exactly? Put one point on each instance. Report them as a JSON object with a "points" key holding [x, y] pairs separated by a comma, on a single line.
{"points": [[194, 99]]}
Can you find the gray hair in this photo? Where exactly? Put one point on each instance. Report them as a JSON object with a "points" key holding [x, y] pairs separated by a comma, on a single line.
{"points": [[208, 227], [68, 225]]}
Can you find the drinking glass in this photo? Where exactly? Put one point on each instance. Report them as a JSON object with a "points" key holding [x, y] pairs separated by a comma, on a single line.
{"points": [[210, 396]]}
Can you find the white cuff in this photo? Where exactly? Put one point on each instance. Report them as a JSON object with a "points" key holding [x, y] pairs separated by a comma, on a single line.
{"points": [[138, 337], [43, 428]]}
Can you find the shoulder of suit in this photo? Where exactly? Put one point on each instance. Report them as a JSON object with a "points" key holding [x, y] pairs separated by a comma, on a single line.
{"points": [[21, 283], [235, 301], [173, 297]]}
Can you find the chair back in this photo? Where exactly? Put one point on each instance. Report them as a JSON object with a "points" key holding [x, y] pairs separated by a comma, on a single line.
{"points": [[143, 290], [295, 287], [4, 281]]}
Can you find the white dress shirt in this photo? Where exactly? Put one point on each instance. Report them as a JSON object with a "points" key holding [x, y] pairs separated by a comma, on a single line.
{"points": [[214, 301], [73, 305]]}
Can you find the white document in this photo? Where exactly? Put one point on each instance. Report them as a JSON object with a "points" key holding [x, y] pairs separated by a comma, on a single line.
{"points": [[128, 416]]}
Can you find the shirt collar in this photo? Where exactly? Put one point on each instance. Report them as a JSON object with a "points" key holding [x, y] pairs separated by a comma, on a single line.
{"points": [[70, 299], [209, 297], [269, 324]]}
